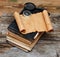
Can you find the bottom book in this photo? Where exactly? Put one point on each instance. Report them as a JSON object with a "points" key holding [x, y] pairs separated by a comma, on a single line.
{"points": [[22, 45]]}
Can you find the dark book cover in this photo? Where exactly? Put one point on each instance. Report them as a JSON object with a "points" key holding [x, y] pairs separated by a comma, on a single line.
{"points": [[14, 29]]}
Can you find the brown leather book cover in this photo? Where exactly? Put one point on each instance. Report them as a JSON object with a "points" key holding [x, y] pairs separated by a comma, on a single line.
{"points": [[15, 36], [24, 45], [22, 39]]}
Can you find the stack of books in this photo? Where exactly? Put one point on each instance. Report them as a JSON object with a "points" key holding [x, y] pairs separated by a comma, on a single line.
{"points": [[23, 41], [27, 40], [28, 27]]}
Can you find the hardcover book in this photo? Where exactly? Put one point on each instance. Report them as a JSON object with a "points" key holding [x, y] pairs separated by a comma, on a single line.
{"points": [[14, 32]]}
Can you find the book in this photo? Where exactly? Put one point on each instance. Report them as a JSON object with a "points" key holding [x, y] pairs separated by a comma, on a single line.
{"points": [[14, 45], [14, 32], [24, 45], [20, 38]]}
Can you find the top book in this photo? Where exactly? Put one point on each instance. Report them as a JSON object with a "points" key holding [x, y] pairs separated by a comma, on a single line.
{"points": [[14, 29]]}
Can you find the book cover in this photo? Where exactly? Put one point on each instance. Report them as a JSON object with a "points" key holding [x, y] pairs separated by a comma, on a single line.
{"points": [[14, 29]]}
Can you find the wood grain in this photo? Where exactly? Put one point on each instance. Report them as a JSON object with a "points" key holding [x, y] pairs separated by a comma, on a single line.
{"points": [[53, 6], [49, 5]]}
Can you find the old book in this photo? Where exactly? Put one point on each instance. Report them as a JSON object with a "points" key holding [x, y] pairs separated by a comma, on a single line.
{"points": [[29, 41], [23, 45], [13, 44], [18, 46], [39, 22], [14, 32]]}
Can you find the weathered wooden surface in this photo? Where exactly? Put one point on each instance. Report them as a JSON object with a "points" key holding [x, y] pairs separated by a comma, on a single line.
{"points": [[51, 5], [48, 45]]}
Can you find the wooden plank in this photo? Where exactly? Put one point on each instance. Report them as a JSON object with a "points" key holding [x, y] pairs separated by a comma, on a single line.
{"points": [[4, 47], [37, 2], [52, 7]]}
